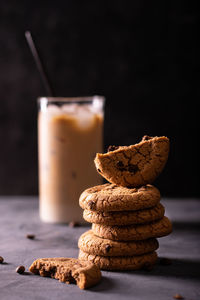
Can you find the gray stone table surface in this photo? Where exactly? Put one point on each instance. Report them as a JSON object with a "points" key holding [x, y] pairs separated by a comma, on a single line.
{"points": [[19, 216]]}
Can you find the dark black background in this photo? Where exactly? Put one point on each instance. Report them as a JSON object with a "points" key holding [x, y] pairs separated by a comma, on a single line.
{"points": [[141, 55]]}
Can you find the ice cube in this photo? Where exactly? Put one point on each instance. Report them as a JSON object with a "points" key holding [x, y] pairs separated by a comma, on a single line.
{"points": [[84, 116], [53, 109], [70, 108]]}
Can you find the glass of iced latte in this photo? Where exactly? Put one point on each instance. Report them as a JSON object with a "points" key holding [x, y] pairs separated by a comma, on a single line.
{"points": [[70, 133]]}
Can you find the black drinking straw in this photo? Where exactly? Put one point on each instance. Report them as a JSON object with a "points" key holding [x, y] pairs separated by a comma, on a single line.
{"points": [[39, 64]]}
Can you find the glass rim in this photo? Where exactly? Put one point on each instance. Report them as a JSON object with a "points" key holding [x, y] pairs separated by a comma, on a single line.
{"points": [[71, 99]]}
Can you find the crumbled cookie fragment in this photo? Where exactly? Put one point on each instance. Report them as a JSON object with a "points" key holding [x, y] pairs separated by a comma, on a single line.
{"points": [[69, 270]]}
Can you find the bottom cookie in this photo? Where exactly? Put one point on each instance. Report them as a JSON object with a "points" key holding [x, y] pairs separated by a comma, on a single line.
{"points": [[121, 262]]}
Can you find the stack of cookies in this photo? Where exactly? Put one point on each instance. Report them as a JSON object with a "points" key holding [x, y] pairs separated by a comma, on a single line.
{"points": [[126, 214]]}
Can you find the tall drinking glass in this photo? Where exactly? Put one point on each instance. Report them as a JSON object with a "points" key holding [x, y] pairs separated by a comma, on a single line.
{"points": [[70, 133]]}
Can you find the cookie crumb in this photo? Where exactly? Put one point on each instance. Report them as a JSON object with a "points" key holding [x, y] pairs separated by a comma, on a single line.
{"points": [[30, 236], [165, 261], [1, 259], [178, 296], [20, 269]]}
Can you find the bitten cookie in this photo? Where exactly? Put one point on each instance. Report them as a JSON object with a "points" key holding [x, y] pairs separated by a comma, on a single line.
{"points": [[69, 270], [122, 262], [90, 243], [134, 165], [155, 229], [125, 217], [110, 197]]}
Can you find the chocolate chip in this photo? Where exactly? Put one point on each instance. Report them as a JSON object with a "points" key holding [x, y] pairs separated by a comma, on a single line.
{"points": [[178, 296], [30, 236], [74, 224], [108, 247], [20, 269], [1, 259], [112, 148], [119, 164], [99, 170], [91, 204], [165, 261], [133, 168], [146, 138]]}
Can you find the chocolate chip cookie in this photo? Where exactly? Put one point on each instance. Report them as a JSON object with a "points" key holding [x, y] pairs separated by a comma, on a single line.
{"points": [[155, 229], [110, 197], [120, 262], [92, 244], [135, 165], [124, 217], [69, 270]]}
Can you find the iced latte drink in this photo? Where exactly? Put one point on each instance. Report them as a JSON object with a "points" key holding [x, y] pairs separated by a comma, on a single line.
{"points": [[70, 133]]}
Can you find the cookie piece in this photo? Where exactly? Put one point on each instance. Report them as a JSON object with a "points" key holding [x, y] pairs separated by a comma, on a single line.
{"points": [[120, 262], [125, 217], [134, 232], [92, 244], [134, 165], [110, 197], [69, 270]]}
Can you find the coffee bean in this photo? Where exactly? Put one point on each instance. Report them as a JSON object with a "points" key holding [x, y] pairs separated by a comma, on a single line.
{"points": [[165, 261], [74, 224], [30, 236], [20, 269], [178, 296], [1, 259]]}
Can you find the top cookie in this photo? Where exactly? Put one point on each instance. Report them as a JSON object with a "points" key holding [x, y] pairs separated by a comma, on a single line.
{"points": [[135, 165], [110, 197]]}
